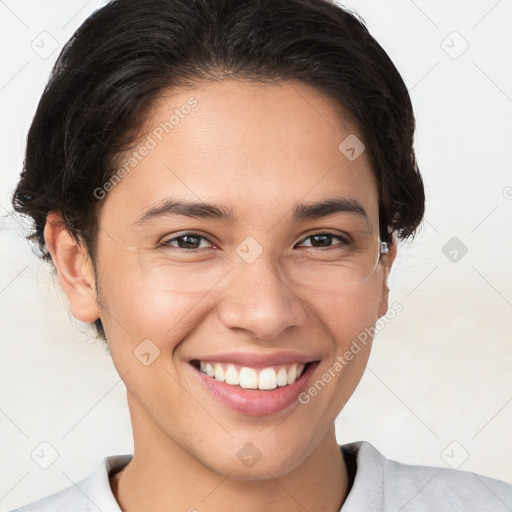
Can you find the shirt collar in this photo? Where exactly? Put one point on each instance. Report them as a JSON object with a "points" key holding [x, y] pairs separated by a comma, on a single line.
{"points": [[99, 493], [366, 494]]}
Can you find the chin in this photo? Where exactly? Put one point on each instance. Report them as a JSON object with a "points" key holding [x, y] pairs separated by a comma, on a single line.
{"points": [[251, 464]]}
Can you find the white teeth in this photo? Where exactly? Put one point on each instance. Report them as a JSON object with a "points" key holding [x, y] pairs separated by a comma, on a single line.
{"points": [[232, 376], [249, 378], [267, 379], [219, 373], [209, 370], [292, 374], [282, 377]]}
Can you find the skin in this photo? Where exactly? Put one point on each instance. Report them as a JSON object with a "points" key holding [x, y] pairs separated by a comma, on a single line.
{"points": [[259, 149]]}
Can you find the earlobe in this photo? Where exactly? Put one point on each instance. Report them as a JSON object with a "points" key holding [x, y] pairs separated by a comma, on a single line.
{"points": [[74, 268], [388, 261], [393, 249]]}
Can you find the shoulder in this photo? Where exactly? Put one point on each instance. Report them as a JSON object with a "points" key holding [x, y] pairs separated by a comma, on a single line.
{"points": [[71, 498], [406, 487], [90, 493]]}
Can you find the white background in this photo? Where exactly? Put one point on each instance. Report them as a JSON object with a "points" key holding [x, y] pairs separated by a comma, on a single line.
{"points": [[438, 388]]}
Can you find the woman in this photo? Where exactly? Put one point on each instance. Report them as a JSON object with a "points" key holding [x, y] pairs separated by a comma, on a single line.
{"points": [[221, 186]]}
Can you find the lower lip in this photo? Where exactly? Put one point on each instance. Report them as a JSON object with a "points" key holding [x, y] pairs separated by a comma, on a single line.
{"points": [[254, 402]]}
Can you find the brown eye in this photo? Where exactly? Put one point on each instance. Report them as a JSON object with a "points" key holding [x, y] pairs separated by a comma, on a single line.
{"points": [[320, 240], [189, 242]]}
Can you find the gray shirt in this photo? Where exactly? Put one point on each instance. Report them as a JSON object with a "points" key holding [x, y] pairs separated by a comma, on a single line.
{"points": [[378, 484]]}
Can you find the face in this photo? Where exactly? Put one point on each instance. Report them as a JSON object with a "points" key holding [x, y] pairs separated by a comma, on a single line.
{"points": [[246, 285]]}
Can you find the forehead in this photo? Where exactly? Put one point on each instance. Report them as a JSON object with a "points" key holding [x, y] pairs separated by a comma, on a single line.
{"points": [[253, 147]]}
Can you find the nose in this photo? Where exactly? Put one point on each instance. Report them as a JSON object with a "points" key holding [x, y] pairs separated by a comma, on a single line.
{"points": [[259, 301]]}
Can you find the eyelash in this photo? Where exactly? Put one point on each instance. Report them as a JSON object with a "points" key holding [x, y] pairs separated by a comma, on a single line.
{"points": [[166, 243]]}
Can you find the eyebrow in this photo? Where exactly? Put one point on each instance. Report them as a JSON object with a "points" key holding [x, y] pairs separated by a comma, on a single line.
{"points": [[171, 207]]}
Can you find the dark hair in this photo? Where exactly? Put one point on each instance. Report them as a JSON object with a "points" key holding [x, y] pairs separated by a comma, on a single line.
{"points": [[127, 53]]}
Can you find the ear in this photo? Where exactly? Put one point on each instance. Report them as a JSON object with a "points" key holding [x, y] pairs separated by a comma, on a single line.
{"points": [[74, 268], [387, 263]]}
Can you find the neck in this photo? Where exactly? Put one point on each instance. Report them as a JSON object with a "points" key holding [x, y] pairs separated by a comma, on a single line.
{"points": [[161, 473]]}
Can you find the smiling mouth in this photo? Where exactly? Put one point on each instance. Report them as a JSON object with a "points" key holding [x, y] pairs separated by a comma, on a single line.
{"points": [[245, 377]]}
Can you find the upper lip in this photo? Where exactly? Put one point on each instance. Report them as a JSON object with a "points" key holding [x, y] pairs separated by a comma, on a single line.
{"points": [[255, 360]]}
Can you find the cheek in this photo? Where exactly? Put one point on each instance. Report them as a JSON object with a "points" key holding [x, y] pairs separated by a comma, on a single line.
{"points": [[357, 313], [348, 310], [146, 303], [349, 316]]}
